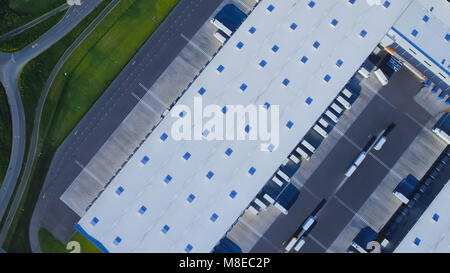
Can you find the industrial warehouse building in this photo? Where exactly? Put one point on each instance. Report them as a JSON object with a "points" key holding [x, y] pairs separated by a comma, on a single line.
{"points": [[183, 196], [421, 36]]}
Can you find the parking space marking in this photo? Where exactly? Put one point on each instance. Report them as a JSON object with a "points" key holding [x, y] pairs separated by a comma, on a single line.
{"points": [[196, 46], [303, 186], [147, 90], [393, 106], [261, 236], [369, 153], [317, 242], [354, 212], [88, 172], [144, 103]]}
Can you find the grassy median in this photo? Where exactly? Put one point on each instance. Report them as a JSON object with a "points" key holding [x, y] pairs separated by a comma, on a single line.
{"points": [[5, 133], [15, 13], [80, 82]]}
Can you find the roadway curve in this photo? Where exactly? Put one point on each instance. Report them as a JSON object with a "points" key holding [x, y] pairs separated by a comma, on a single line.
{"points": [[33, 22], [10, 67]]}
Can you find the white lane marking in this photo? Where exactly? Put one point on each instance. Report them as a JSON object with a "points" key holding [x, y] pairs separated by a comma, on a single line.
{"points": [[196, 46], [154, 96], [88, 172], [144, 103], [354, 212], [259, 234]]}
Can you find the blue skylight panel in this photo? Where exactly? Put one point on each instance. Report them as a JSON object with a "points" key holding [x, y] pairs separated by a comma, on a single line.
{"points": [[304, 59], [167, 179], [309, 100], [363, 33], [243, 87], [293, 26], [94, 221], [188, 248], [145, 159], [425, 18], [266, 105], [252, 30], [240, 45], [417, 241], [352, 1], [233, 194], [214, 217], [205, 133], [202, 91], [252, 171], [229, 151], [334, 22], [286, 82], [339, 63], [209, 175], [270, 7], [247, 128], [163, 137], [190, 198], [187, 155], [224, 109], [436, 217], [447, 37], [271, 147], [119, 190], [165, 229], [414, 32], [289, 124], [327, 78], [182, 114], [117, 240], [275, 48], [142, 210], [262, 63], [311, 4], [220, 68], [386, 4], [316, 44]]}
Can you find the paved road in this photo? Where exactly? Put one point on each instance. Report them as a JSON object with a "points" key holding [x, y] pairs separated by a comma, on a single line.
{"points": [[37, 119], [33, 22], [345, 197], [110, 110], [10, 66]]}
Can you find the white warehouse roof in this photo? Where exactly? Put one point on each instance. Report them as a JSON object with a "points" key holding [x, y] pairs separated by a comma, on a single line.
{"points": [[425, 24], [114, 221], [431, 233]]}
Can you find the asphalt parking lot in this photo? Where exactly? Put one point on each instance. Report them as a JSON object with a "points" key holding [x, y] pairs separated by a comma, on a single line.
{"points": [[394, 103]]}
